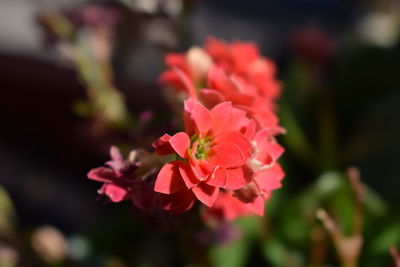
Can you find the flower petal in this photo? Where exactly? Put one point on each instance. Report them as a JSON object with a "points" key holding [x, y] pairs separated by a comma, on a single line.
{"points": [[163, 146], [169, 179], [270, 178], [218, 177], [187, 175], [115, 192], [116, 155], [221, 118], [230, 150], [206, 193], [197, 116], [178, 202], [257, 206], [238, 178], [101, 174], [187, 83], [268, 150], [210, 97], [226, 155], [250, 130], [180, 142]]}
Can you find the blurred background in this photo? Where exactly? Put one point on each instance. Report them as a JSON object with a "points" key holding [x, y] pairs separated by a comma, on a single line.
{"points": [[339, 61]]}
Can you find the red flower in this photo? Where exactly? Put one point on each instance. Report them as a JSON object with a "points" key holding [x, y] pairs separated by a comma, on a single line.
{"points": [[212, 154], [249, 200], [267, 176], [240, 59], [242, 95], [244, 59], [185, 70], [227, 156], [234, 72]]}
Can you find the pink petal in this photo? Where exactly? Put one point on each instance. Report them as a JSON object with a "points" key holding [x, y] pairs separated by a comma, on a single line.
{"points": [[218, 177], [169, 78], [238, 139], [175, 60], [262, 136], [198, 115], [180, 142], [275, 150], [217, 78], [210, 97], [267, 119], [178, 202], [169, 179], [206, 193], [188, 84], [116, 155], [187, 175], [250, 130], [230, 150], [101, 174], [238, 98], [240, 122], [238, 178], [221, 116], [162, 145], [227, 155], [202, 169], [257, 206], [115, 192], [270, 178]]}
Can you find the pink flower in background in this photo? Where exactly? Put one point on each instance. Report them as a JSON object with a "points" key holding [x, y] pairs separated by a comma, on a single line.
{"points": [[244, 59], [240, 59], [187, 70], [234, 72], [120, 181]]}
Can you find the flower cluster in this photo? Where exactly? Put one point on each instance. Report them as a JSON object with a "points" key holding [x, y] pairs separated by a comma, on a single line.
{"points": [[227, 156], [123, 179]]}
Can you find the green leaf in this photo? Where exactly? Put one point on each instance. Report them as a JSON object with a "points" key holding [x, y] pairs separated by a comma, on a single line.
{"points": [[231, 255], [374, 203], [236, 253], [278, 254], [390, 235], [7, 214]]}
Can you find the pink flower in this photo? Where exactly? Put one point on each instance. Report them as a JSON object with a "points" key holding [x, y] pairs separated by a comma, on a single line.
{"points": [[243, 95], [120, 181], [267, 176], [220, 72], [211, 154], [244, 59], [239, 59], [227, 155], [185, 70], [246, 201]]}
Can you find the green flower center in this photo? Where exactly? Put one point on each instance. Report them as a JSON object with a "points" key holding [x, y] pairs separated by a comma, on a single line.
{"points": [[203, 146]]}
